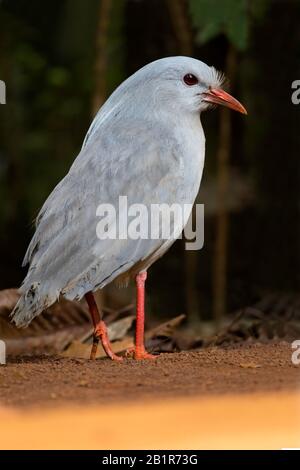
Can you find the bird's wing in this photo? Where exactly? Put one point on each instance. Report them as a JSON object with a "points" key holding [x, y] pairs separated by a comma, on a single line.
{"points": [[140, 162]]}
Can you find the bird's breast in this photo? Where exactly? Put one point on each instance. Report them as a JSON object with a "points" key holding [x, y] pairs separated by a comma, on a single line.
{"points": [[191, 147]]}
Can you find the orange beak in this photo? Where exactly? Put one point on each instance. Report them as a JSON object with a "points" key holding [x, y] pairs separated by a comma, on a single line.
{"points": [[218, 96]]}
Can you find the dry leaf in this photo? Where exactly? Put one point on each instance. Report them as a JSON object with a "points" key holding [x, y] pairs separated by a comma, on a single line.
{"points": [[83, 350], [116, 330], [165, 329], [78, 349], [249, 365], [8, 299]]}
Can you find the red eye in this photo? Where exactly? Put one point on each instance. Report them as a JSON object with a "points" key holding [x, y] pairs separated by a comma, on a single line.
{"points": [[190, 79]]}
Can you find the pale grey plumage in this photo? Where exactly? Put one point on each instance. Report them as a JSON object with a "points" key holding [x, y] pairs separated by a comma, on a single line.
{"points": [[146, 142]]}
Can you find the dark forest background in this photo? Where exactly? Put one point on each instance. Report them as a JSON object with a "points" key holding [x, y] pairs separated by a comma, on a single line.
{"points": [[61, 59]]}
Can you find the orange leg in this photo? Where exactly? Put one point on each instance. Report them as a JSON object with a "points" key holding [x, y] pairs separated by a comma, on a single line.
{"points": [[140, 351], [100, 330]]}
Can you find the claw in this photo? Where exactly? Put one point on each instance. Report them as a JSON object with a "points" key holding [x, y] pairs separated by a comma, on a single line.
{"points": [[129, 352], [100, 333]]}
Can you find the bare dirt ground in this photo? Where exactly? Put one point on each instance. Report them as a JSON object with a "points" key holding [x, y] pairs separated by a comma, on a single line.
{"points": [[235, 397], [244, 368]]}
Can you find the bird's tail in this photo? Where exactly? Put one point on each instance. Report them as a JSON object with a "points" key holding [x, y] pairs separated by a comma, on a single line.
{"points": [[34, 299]]}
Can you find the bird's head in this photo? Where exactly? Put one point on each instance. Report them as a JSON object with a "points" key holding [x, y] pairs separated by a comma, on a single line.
{"points": [[184, 84]]}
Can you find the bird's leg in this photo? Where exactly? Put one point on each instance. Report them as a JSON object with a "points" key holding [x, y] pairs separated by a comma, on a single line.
{"points": [[100, 330], [140, 351]]}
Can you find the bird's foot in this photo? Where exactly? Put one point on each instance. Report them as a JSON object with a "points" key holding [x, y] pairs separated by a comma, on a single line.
{"points": [[139, 354], [100, 333]]}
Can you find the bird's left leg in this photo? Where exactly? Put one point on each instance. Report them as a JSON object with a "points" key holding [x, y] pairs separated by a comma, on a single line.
{"points": [[100, 330]]}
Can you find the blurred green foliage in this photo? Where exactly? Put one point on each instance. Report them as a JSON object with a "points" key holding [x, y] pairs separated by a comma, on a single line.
{"points": [[229, 17]]}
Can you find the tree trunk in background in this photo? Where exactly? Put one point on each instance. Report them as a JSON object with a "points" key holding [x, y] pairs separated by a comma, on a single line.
{"points": [[181, 26], [100, 84], [100, 70], [183, 34], [222, 221]]}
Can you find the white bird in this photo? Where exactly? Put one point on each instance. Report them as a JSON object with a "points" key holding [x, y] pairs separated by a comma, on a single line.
{"points": [[146, 143]]}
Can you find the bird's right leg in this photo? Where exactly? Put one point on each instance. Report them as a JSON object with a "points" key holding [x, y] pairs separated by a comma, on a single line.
{"points": [[100, 330]]}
